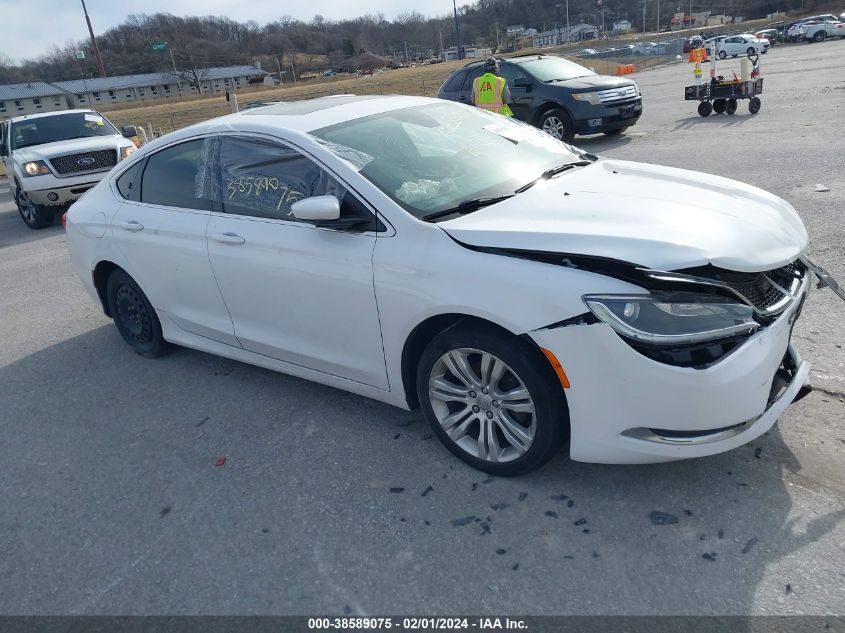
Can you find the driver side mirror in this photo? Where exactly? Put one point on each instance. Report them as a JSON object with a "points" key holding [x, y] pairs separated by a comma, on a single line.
{"points": [[317, 209], [129, 131], [522, 82]]}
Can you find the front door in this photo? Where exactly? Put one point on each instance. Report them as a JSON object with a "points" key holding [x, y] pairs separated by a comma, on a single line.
{"points": [[296, 292]]}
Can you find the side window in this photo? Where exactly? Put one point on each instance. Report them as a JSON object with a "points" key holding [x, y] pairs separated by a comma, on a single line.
{"points": [[510, 73], [470, 77], [170, 177], [128, 182], [261, 178], [454, 83]]}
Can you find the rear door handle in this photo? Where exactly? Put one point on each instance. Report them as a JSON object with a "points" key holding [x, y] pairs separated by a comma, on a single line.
{"points": [[228, 238], [132, 225]]}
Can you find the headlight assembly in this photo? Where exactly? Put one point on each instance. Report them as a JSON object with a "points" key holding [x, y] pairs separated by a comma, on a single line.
{"points": [[673, 318], [35, 168], [589, 97]]}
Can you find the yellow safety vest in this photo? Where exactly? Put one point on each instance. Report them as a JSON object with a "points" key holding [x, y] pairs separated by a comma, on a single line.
{"points": [[488, 91]]}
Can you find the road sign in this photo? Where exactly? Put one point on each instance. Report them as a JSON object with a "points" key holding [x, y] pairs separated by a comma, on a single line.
{"points": [[80, 54], [159, 46]]}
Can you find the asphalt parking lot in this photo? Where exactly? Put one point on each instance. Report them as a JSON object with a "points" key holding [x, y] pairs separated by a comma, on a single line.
{"points": [[331, 503]]}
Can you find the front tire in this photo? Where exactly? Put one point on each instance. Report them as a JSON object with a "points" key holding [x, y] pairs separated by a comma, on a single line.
{"points": [[33, 215], [134, 316], [492, 399], [556, 123]]}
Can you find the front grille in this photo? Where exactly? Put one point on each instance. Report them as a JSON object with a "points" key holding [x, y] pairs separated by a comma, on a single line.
{"points": [[766, 291], [614, 96], [98, 160]]}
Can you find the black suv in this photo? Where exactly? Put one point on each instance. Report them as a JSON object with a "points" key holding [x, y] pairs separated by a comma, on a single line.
{"points": [[557, 95]]}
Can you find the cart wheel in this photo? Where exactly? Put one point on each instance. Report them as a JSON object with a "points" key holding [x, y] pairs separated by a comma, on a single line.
{"points": [[704, 108], [730, 107], [719, 106], [754, 105]]}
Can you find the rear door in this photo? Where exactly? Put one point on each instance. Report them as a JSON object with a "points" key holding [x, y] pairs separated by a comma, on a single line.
{"points": [[452, 86], [160, 229], [465, 92]]}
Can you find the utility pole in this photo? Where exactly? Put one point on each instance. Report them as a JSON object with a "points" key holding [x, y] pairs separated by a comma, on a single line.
{"points": [[644, 8], [568, 32], [457, 32], [175, 72], [94, 42], [279, 67], [442, 54]]}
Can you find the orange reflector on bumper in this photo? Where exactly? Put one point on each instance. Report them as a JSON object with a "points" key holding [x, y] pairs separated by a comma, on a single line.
{"points": [[557, 367]]}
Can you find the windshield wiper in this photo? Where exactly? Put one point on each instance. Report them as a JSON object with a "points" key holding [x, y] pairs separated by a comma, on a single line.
{"points": [[467, 206], [554, 171]]}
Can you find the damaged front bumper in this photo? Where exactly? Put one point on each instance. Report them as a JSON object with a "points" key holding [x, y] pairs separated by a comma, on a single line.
{"points": [[625, 407]]}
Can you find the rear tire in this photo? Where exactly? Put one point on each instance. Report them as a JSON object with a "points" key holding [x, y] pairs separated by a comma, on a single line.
{"points": [[479, 382], [819, 36], [705, 108], [730, 106], [719, 106], [722, 54], [134, 316], [556, 123], [754, 105], [33, 215]]}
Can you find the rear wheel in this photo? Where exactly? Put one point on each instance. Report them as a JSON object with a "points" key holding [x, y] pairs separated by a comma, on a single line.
{"points": [[719, 106], [34, 215], [722, 54], [730, 106], [705, 108], [819, 36], [754, 105], [492, 399], [134, 316], [556, 122]]}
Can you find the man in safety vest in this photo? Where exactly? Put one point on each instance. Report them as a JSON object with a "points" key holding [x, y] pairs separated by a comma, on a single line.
{"points": [[491, 92]]}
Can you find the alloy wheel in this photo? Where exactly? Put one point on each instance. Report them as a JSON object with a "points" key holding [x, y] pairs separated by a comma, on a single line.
{"points": [[26, 207], [554, 126], [482, 405]]}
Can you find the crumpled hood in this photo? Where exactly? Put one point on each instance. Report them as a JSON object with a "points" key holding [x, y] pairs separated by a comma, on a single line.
{"points": [[657, 217], [74, 146]]}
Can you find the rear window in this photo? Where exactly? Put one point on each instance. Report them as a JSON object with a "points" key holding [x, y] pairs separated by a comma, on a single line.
{"points": [[170, 176], [455, 81]]}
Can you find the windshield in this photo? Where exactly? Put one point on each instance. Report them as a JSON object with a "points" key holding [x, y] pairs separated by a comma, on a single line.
{"points": [[431, 158], [555, 68], [60, 127]]}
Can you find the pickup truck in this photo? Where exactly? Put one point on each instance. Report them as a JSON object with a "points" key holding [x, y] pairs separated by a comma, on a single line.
{"points": [[820, 30], [52, 158]]}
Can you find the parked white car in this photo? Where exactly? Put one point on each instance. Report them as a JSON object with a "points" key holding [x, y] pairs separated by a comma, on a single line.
{"points": [[51, 159], [735, 45], [821, 30], [524, 294]]}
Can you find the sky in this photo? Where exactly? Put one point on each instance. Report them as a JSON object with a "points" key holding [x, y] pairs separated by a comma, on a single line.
{"points": [[32, 27]]}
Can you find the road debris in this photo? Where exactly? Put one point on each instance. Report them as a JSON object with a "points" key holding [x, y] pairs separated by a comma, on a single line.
{"points": [[465, 521], [551, 513], [221, 461], [397, 490], [426, 491], [821, 188], [751, 542], [662, 518], [711, 556]]}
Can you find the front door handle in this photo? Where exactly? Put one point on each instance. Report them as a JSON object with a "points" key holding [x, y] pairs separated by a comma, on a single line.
{"points": [[132, 225], [228, 238]]}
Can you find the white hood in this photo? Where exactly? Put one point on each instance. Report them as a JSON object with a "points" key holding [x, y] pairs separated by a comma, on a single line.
{"points": [[74, 146], [658, 217]]}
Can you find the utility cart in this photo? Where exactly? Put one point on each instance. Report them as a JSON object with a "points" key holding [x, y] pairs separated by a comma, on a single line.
{"points": [[722, 95]]}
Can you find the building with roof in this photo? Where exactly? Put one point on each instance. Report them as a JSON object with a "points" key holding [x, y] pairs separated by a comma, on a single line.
{"points": [[29, 98], [39, 96]]}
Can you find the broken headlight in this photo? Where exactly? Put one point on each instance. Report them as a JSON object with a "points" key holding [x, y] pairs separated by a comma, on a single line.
{"points": [[673, 318]]}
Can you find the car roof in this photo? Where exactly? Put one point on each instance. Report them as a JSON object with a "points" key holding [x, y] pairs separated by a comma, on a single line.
{"points": [[41, 115], [301, 117]]}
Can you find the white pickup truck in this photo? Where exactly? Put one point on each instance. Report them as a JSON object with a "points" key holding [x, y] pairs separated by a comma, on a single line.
{"points": [[52, 158], [818, 31]]}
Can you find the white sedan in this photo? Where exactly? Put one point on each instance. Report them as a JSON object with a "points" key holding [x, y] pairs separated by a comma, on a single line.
{"points": [[735, 45], [525, 295]]}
